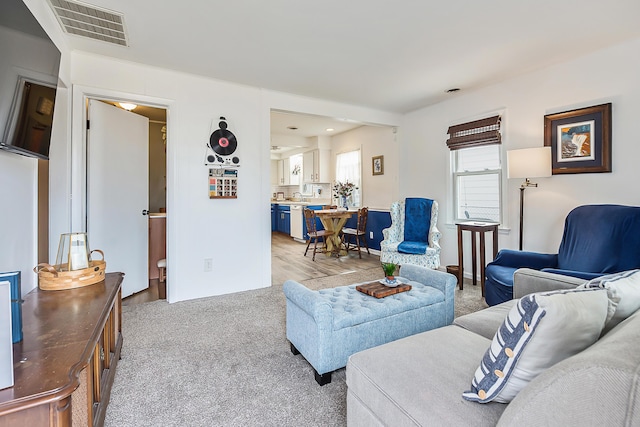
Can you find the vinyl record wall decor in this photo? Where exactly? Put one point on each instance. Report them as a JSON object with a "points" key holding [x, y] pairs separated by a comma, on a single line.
{"points": [[223, 163], [222, 146]]}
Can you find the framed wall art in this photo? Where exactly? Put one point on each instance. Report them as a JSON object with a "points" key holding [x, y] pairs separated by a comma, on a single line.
{"points": [[580, 140], [377, 165]]}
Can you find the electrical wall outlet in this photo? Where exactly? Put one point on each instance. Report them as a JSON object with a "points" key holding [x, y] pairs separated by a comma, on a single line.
{"points": [[208, 264], [371, 234]]}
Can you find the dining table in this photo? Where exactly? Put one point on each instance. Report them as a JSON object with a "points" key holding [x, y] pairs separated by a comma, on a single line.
{"points": [[334, 220]]}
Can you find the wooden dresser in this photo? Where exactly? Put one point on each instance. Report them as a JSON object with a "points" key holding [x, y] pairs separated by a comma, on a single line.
{"points": [[65, 365]]}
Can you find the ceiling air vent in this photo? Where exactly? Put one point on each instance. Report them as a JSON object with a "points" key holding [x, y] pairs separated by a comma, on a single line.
{"points": [[85, 20]]}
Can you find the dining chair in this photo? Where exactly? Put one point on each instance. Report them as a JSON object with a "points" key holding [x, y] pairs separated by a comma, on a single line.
{"points": [[314, 233], [355, 236]]}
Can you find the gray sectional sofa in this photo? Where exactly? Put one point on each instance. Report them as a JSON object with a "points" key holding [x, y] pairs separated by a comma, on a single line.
{"points": [[419, 380]]}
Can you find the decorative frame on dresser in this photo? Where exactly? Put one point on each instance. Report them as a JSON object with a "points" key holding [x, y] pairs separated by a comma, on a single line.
{"points": [[65, 365]]}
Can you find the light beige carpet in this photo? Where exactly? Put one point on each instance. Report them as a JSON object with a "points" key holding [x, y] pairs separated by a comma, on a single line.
{"points": [[226, 361]]}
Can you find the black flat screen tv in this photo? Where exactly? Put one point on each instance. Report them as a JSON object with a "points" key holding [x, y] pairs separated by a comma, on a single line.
{"points": [[29, 68]]}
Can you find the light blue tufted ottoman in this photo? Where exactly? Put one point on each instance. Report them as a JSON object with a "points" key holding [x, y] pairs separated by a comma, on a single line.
{"points": [[329, 325]]}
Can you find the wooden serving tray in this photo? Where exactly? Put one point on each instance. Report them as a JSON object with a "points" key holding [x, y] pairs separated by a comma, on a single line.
{"points": [[378, 290]]}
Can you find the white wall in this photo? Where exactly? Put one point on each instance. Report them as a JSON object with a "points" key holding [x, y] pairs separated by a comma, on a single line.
{"points": [[610, 75], [236, 234], [18, 194], [18, 174], [378, 192]]}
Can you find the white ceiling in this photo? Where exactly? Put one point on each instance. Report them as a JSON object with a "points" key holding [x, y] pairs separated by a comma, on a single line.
{"points": [[289, 130], [394, 56]]}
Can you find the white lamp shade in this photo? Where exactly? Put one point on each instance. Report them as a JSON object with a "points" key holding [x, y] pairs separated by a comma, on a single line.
{"points": [[529, 163]]}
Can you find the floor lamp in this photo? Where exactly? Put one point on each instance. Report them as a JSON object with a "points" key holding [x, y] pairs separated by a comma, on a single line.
{"points": [[528, 163]]}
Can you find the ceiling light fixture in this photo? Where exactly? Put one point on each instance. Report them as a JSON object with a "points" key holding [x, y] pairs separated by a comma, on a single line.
{"points": [[127, 105], [329, 129]]}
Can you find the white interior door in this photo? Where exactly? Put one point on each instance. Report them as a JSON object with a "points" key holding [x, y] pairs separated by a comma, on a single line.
{"points": [[118, 191]]}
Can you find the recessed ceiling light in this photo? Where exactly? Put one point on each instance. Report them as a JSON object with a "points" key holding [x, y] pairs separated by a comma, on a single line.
{"points": [[292, 128], [454, 89], [329, 129]]}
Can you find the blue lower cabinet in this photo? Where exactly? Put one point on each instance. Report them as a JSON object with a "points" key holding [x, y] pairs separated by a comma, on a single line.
{"points": [[283, 214], [274, 217], [286, 226]]}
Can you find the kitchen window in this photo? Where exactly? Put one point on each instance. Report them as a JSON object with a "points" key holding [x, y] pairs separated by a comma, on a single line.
{"points": [[348, 169], [476, 170]]}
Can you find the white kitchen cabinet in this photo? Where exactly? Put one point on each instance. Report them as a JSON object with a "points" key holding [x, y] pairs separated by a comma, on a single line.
{"points": [[274, 173], [295, 162], [284, 173], [316, 165]]}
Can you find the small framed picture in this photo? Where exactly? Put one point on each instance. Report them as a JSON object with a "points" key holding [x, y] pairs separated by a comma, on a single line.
{"points": [[377, 165], [580, 140]]}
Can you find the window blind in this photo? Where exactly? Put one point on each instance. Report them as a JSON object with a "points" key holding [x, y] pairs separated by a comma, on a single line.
{"points": [[474, 134]]}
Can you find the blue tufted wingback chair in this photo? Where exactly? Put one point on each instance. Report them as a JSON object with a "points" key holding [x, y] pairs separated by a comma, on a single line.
{"points": [[419, 245], [597, 240]]}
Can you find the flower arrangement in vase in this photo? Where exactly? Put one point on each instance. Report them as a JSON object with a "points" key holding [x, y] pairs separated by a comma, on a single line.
{"points": [[389, 272], [343, 190]]}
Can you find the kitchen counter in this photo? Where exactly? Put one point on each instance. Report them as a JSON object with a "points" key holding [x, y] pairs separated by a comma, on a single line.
{"points": [[311, 201]]}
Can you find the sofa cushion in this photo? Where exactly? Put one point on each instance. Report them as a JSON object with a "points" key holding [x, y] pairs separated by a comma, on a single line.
{"points": [[408, 247], [485, 322], [596, 387], [623, 290], [417, 381], [539, 331]]}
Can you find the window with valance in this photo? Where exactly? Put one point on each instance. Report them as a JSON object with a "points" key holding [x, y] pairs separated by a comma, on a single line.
{"points": [[477, 169]]}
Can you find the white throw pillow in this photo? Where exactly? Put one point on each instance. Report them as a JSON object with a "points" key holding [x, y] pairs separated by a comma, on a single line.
{"points": [[623, 290], [540, 330]]}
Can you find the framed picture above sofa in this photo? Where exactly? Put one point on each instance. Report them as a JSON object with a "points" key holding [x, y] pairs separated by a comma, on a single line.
{"points": [[580, 140]]}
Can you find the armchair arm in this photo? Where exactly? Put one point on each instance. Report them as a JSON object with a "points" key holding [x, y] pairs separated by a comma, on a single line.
{"points": [[580, 274], [520, 259], [386, 234], [434, 236], [527, 281]]}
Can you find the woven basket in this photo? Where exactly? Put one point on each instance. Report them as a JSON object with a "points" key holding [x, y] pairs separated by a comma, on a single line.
{"points": [[51, 279]]}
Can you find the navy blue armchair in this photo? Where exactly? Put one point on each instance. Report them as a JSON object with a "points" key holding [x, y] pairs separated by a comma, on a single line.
{"points": [[597, 240]]}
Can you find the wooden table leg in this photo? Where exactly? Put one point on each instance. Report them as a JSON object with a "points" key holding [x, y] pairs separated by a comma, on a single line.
{"points": [[482, 261], [482, 228], [334, 244], [460, 259], [474, 267], [495, 242]]}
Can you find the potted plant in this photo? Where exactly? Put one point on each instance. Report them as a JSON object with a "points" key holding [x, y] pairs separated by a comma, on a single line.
{"points": [[389, 271]]}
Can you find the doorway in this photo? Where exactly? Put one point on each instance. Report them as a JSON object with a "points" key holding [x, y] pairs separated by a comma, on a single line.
{"points": [[134, 230]]}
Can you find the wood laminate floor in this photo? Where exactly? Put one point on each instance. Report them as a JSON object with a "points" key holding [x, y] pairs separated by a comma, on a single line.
{"points": [[288, 262], [148, 295]]}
